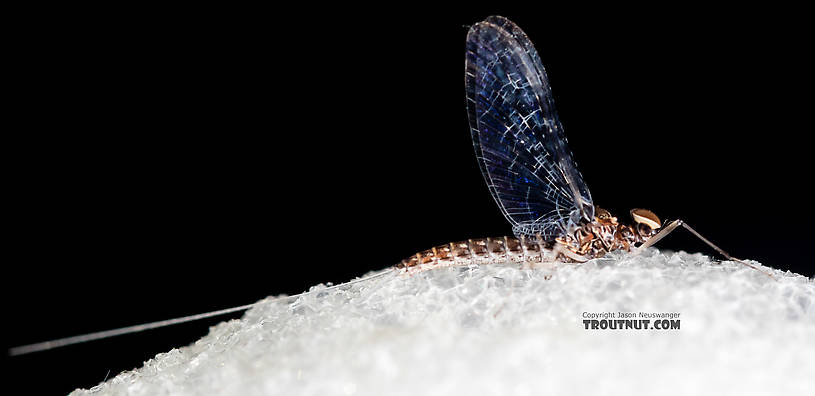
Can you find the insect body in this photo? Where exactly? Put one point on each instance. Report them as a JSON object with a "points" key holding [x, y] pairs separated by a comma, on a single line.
{"points": [[592, 240], [524, 157]]}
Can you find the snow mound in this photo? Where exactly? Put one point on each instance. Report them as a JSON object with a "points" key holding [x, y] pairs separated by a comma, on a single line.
{"points": [[506, 330]]}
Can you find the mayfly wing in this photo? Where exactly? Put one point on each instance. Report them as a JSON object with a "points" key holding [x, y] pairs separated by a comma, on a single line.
{"points": [[518, 139]]}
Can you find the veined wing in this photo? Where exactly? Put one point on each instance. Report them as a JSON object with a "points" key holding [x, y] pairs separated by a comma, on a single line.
{"points": [[518, 139]]}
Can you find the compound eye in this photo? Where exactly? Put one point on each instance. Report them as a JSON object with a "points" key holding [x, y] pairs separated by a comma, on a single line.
{"points": [[646, 217], [644, 229]]}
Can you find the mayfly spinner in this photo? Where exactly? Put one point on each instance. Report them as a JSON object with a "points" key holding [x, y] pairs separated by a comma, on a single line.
{"points": [[528, 167], [523, 155]]}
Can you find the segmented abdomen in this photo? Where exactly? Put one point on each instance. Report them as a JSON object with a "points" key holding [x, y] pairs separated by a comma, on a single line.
{"points": [[479, 251]]}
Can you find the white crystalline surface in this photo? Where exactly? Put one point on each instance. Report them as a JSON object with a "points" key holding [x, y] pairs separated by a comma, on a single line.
{"points": [[504, 330]]}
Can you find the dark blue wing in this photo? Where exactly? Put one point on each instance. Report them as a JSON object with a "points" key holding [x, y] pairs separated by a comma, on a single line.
{"points": [[518, 138]]}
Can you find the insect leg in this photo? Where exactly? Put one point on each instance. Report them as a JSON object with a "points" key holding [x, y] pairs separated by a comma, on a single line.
{"points": [[676, 223], [559, 250]]}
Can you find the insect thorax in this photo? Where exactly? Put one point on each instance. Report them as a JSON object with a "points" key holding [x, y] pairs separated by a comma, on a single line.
{"points": [[599, 237]]}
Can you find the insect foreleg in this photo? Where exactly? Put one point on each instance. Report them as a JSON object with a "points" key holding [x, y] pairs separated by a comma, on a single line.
{"points": [[676, 223]]}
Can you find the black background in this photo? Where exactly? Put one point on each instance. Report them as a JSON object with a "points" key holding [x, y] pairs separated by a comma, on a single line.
{"points": [[170, 162]]}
